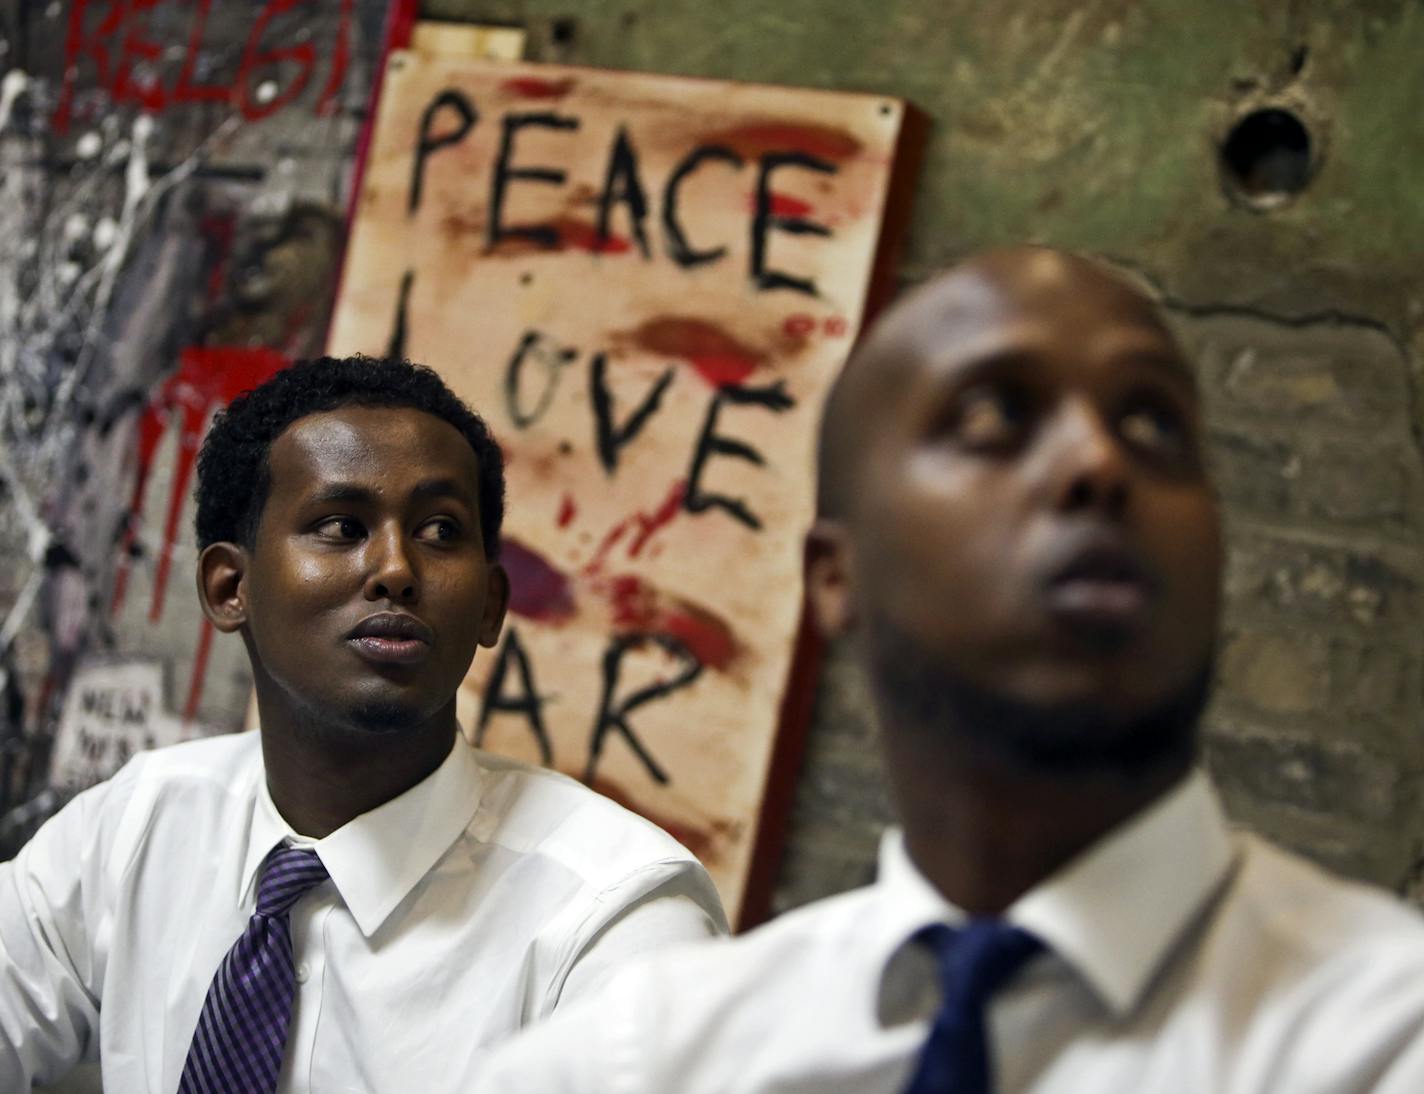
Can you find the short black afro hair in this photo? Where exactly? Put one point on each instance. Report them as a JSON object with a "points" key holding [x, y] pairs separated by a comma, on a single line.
{"points": [[233, 473]]}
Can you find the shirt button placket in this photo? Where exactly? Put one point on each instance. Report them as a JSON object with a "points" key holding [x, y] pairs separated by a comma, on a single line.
{"points": [[310, 946]]}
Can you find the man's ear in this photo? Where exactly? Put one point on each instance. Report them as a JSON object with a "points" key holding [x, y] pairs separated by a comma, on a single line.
{"points": [[496, 604], [222, 585], [829, 578]]}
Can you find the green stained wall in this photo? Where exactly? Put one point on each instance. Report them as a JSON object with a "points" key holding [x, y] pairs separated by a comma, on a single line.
{"points": [[1096, 124]]}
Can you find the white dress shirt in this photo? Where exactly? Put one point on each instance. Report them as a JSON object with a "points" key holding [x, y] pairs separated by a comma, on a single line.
{"points": [[1182, 958], [456, 913]]}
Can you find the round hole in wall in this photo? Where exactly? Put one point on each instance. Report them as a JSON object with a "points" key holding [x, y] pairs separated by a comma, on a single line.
{"points": [[1268, 157]]}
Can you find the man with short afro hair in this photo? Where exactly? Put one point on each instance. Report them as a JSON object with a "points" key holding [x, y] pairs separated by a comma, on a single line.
{"points": [[350, 897], [233, 474]]}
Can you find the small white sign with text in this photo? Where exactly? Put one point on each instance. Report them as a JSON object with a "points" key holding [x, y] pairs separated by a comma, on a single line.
{"points": [[114, 709]]}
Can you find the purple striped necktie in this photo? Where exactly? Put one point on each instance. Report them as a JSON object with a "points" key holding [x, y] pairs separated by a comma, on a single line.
{"points": [[242, 1030]]}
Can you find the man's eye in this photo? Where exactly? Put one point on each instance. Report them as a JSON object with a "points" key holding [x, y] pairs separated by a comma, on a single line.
{"points": [[342, 528], [987, 418], [441, 529], [1156, 427]]}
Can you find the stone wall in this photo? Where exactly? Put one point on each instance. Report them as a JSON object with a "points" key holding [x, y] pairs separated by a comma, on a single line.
{"points": [[1256, 163]]}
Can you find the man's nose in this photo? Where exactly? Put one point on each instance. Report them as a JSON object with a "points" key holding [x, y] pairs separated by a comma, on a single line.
{"points": [[1089, 466], [392, 572]]}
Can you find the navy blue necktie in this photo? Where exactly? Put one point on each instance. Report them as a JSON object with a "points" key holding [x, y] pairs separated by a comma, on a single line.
{"points": [[974, 962]]}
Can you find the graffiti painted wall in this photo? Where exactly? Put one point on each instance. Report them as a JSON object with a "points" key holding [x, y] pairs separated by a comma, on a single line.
{"points": [[173, 186], [646, 285]]}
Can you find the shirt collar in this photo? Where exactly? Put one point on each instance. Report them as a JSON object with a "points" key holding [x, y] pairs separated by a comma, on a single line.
{"points": [[376, 859], [1115, 911]]}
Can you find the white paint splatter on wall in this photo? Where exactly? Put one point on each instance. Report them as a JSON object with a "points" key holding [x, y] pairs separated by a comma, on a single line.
{"points": [[152, 259]]}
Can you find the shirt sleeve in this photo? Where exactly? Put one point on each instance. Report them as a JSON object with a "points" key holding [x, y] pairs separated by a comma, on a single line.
{"points": [[1406, 1074], [50, 970], [591, 1046], [1389, 1059], [677, 911]]}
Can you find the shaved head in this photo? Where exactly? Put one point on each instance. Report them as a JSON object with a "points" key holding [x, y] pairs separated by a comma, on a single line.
{"points": [[1014, 504]]}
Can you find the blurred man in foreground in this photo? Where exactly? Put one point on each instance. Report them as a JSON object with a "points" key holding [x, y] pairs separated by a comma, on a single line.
{"points": [[1017, 519]]}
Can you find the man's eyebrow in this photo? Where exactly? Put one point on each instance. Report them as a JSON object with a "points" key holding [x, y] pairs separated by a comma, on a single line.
{"points": [[1173, 364], [984, 363], [440, 488], [992, 361], [340, 492], [352, 493]]}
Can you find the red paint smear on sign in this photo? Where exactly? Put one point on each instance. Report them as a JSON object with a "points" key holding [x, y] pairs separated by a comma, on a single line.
{"points": [[637, 606], [584, 237], [535, 87], [208, 378], [539, 590], [783, 205], [719, 358], [572, 234], [457, 224], [821, 141]]}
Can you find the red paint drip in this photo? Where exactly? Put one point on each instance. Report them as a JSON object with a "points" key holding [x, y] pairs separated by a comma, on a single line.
{"points": [[538, 589], [218, 229], [535, 87], [821, 141], [718, 357], [208, 378], [568, 509], [340, 60], [648, 525], [609, 542], [200, 671]]}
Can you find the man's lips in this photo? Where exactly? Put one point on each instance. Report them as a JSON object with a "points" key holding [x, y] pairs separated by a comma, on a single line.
{"points": [[1101, 584], [391, 638]]}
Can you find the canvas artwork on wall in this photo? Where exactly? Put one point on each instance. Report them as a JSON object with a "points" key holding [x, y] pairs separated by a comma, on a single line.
{"points": [[646, 285]]}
